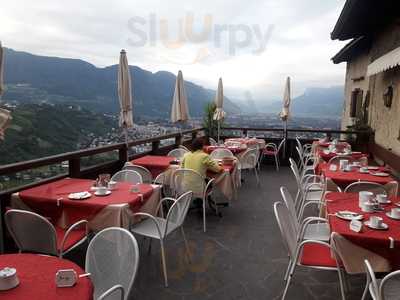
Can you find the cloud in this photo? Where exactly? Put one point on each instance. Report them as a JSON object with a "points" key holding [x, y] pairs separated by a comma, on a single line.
{"points": [[296, 34]]}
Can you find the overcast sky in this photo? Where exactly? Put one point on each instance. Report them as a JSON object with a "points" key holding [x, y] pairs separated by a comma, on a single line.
{"points": [[252, 44]]}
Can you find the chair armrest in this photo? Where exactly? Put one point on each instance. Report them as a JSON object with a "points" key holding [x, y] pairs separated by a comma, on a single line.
{"points": [[69, 230], [142, 214], [111, 291]]}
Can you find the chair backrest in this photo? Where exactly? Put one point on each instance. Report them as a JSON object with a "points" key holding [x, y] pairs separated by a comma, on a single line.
{"points": [[112, 258], [389, 287], [31, 232], [289, 202], [296, 172], [249, 159], [220, 153], [359, 186], [160, 179], [286, 227], [280, 145], [392, 188], [374, 287], [186, 180], [300, 147], [128, 176], [177, 153], [184, 148], [178, 211], [145, 173], [212, 141]]}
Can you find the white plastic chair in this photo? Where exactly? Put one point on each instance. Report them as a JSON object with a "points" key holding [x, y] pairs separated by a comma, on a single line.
{"points": [[359, 186], [212, 142], [249, 161], [127, 176], [184, 148], [310, 187], [34, 233], [387, 288], [159, 228], [185, 180], [112, 259], [177, 153], [220, 153], [306, 228], [145, 173], [272, 150], [307, 253]]}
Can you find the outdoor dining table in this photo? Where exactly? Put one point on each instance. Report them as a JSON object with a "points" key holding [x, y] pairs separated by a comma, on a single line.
{"points": [[377, 241], [36, 274], [234, 149], [248, 141], [344, 178], [51, 200], [227, 182]]}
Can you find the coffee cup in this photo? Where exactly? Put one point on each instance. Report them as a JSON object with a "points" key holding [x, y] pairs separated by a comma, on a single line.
{"points": [[395, 212], [364, 197], [101, 190], [368, 207], [343, 163], [375, 221], [356, 164], [112, 185], [382, 198], [348, 168]]}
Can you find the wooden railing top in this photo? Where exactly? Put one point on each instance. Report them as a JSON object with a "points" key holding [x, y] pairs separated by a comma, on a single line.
{"points": [[48, 160], [333, 131]]}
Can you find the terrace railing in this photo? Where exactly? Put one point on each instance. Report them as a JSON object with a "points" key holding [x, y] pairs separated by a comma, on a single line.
{"points": [[119, 153]]}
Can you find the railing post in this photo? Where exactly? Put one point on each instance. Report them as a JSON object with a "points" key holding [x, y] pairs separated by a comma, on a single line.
{"points": [[194, 135], [244, 131], [178, 140], [154, 147], [74, 167], [123, 154]]}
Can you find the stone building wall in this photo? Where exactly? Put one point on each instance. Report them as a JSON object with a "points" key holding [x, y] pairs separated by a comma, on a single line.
{"points": [[383, 120]]}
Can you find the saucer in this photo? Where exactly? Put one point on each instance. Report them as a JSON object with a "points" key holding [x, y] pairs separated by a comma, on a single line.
{"points": [[105, 194], [392, 217], [348, 215], [373, 168], [385, 202], [384, 226], [380, 174], [79, 196]]}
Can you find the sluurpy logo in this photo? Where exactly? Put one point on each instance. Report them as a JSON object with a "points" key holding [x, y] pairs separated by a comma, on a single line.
{"points": [[207, 37]]}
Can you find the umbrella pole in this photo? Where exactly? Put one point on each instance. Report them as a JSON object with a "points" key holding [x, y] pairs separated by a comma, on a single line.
{"points": [[126, 142], [219, 128], [285, 138]]}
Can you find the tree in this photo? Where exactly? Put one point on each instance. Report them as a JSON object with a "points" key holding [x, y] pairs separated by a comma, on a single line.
{"points": [[210, 125]]}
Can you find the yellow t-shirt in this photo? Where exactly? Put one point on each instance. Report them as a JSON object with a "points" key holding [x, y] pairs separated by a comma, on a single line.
{"points": [[200, 162]]}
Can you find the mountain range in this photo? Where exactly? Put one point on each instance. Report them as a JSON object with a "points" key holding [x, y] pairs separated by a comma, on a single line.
{"points": [[35, 79], [32, 78]]}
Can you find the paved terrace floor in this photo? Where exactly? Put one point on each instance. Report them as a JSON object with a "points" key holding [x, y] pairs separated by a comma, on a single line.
{"points": [[240, 257]]}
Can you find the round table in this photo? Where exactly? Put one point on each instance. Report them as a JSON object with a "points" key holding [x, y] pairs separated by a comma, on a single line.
{"points": [[37, 274]]}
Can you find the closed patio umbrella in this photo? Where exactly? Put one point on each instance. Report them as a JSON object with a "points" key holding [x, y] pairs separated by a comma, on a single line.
{"points": [[179, 110], [285, 111], [1, 70], [5, 115], [124, 94], [219, 113]]}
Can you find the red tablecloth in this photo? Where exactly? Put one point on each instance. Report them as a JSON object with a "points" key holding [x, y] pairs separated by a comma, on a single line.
{"points": [[376, 241], [43, 199], [155, 164], [37, 274], [234, 150], [343, 179]]}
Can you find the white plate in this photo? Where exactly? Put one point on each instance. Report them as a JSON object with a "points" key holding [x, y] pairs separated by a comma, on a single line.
{"points": [[380, 174], [383, 227], [79, 196], [373, 168], [390, 216], [348, 215], [105, 194]]}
